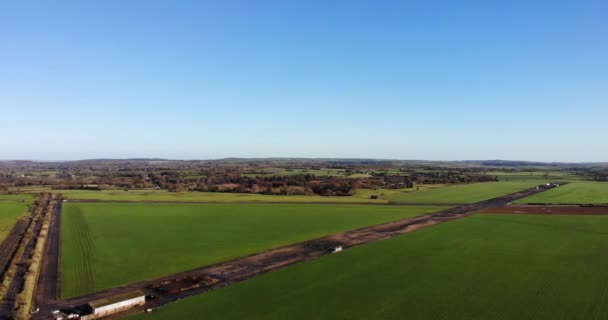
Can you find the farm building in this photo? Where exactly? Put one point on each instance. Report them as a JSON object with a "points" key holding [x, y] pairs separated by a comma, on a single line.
{"points": [[122, 302]]}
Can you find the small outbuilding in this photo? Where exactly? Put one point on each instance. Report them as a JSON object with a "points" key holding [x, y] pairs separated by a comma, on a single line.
{"points": [[116, 304]]}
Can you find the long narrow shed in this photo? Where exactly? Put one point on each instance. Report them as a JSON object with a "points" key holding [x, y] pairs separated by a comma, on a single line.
{"points": [[119, 303]]}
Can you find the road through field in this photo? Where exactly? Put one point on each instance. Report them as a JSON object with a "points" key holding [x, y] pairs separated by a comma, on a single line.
{"points": [[48, 281], [22, 267], [243, 268]]}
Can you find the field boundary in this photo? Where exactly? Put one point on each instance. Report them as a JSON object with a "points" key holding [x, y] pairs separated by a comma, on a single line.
{"points": [[10, 244], [15, 303], [409, 204]]}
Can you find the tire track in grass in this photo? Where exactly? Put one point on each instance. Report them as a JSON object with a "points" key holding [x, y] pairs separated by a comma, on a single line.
{"points": [[83, 277]]}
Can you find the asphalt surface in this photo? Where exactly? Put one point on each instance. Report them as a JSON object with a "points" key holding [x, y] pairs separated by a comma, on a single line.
{"points": [[48, 281]]}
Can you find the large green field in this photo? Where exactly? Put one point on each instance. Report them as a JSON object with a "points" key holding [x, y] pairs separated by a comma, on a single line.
{"points": [[466, 193], [542, 176], [106, 245], [574, 193], [481, 267], [438, 193], [16, 198], [9, 213], [163, 195]]}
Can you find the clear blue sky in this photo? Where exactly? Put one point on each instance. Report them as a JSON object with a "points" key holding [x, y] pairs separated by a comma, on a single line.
{"points": [[449, 80]]}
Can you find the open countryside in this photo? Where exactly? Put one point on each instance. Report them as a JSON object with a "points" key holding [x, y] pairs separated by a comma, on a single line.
{"points": [[421, 194], [168, 238], [481, 267], [165, 196], [573, 193], [461, 193], [322, 160], [10, 211], [149, 249]]}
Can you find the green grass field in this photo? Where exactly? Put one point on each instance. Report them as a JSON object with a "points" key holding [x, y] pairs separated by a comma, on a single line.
{"points": [[9, 213], [163, 195], [383, 194], [541, 176], [480, 267], [574, 193], [466, 193], [438, 193], [106, 245], [16, 197]]}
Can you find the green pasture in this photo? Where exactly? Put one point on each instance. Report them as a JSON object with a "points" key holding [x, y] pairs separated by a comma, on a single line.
{"points": [[586, 192], [9, 213], [480, 267], [461, 193], [540, 176], [164, 195], [17, 198], [108, 244]]}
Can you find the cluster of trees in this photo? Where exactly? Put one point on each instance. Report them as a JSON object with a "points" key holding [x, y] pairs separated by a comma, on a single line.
{"points": [[305, 184], [432, 177], [599, 175], [229, 180], [229, 177]]}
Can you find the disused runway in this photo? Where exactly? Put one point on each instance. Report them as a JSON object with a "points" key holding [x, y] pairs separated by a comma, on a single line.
{"points": [[247, 267]]}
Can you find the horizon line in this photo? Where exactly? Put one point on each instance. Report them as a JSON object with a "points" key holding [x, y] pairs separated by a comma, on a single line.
{"points": [[300, 158]]}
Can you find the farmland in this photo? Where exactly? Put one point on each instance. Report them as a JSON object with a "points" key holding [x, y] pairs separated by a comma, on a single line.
{"points": [[159, 239], [536, 175], [163, 195], [9, 213], [16, 198], [481, 267], [384, 193], [420, 194], [260, 234], [574, 193], [439, 193], [467, 193]]}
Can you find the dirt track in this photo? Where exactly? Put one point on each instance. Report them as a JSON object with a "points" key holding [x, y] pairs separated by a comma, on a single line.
{"points": [[10, 244], [549, 210], [7, 251], [16, 285], [243, 268], [48, 281]]}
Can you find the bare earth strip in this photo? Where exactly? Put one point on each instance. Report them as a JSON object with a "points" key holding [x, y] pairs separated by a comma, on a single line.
{"points": [[243, 268], [48, 280], [17, 284], [10, 244]]}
